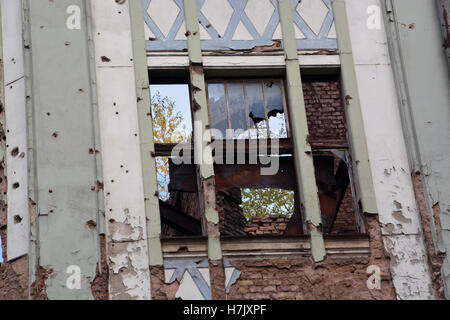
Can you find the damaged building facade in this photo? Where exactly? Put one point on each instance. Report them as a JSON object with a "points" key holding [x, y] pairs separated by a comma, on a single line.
{"points": [[357, 90]]}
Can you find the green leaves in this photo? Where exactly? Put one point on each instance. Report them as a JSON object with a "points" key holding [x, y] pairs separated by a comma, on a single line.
{"points": [[267, 202], [167, 128]]}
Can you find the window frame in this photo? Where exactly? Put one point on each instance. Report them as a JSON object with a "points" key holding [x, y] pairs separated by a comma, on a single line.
{"points": [[244, 81]]}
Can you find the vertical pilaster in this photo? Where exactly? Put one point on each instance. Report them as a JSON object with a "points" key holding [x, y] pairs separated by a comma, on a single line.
{"points": [[62, 145], [299, 126], [355, 123], [126, 226], [202, 150], [151, 197]]}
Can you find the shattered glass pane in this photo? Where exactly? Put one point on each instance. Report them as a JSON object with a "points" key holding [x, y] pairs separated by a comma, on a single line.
{"points": [[236, 100], [274, 98], [255, 99], [278, 126], [218, 107]]}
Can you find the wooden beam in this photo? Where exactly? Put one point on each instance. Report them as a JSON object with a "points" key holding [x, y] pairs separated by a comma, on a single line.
{"points": [[285, 146], [179, 220], [183, 179]]}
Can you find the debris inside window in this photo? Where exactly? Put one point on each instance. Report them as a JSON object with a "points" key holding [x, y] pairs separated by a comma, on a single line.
{"points": [[255, 174]]}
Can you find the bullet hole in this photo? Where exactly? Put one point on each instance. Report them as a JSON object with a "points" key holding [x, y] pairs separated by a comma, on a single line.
{"points": [[92, 188], [16, 185], [55, 135], [91, 225], [50, 191], [17, 219], [49, 114], [51, 211], [105, 59], [91, 151], [67, 43], [347, 99], [112, 181], [80, 90], [112, 221], [15, 152]]}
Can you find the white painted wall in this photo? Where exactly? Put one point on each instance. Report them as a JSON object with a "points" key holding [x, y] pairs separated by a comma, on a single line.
{"points": [[122, 169], [396, 202], [18, 236]]}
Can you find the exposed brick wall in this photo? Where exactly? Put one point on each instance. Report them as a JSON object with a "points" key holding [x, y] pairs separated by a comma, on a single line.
{"points": [[231, 217], [302, 279], [346, 220], [325, 111], [100, 285], [271, 225], [435, 259], [161, 290]]}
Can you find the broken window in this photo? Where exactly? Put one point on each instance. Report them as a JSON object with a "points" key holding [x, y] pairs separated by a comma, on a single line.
{"points": [[172, 125], [332, 161], [256, 181], [246, 109], [252, 113]]}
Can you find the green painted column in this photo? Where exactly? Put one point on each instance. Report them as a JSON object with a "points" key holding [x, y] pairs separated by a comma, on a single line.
{"points": [[355, 123], [302, 148], [64, 173], [202, 137], [146, 136]]}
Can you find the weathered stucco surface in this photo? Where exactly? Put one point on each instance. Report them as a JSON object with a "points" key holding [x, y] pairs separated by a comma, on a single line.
{"points": [[65, 179], [415, 41], [396, 203], [70, 176], [126, 225]]}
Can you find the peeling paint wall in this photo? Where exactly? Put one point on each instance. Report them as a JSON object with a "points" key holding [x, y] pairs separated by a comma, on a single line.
{"points": [[76, 163], [398, 212], [122, 169], [16, 156], [423, 87], [62, 134]]}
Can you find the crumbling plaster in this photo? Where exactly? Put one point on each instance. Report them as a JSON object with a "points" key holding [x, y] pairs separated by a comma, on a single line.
{"points": [[398, 212]]}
